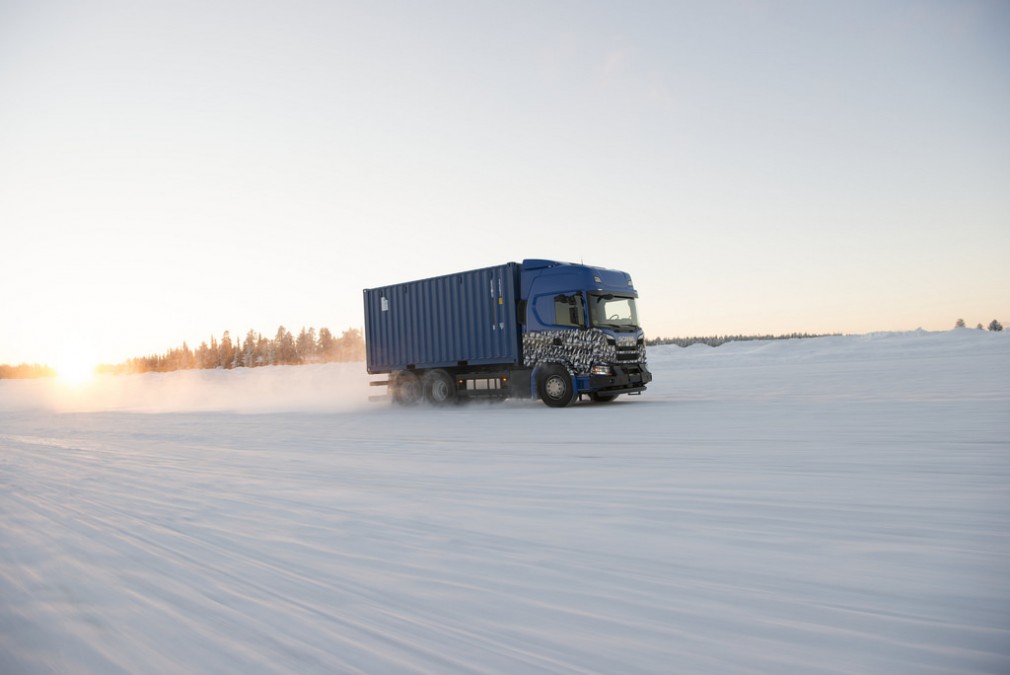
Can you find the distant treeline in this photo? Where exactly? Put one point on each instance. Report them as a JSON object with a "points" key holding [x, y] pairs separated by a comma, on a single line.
{"points": [[995, 326], [309, 346], [716, 340], [25, 371], [255, 350]]}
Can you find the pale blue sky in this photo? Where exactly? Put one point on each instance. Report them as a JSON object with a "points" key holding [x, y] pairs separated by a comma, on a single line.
{"points": [[169, 171]]}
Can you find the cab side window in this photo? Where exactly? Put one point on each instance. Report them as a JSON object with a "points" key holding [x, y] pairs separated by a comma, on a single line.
{"points": [[569, 311]]}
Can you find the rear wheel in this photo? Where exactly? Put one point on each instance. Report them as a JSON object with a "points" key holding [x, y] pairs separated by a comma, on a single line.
{"points": [[406, 387], [554, 386], [439, 387]]}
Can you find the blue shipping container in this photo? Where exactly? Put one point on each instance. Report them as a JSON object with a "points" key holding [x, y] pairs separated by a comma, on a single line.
{"points": [[467, 318]]}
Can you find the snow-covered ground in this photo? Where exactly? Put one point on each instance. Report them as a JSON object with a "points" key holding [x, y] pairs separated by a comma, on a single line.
{"points": [[830, 505]]}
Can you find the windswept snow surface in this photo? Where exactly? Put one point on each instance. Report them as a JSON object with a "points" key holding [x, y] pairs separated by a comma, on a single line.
{"points": [[831, 505]]}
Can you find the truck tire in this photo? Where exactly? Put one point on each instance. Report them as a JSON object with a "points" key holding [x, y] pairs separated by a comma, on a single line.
{"points": [[406, 387], [602, 398], [554, 386], [439, 388]]}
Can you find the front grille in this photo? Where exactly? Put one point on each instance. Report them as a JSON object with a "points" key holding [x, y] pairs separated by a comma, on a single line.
{"points": [[627, 353], [629, 350]]}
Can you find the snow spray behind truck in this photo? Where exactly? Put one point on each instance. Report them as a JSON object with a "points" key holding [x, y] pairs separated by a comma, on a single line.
{"points": [[536, 329]]}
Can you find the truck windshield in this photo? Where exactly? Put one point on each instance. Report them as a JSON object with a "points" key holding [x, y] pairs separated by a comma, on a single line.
{"points": [[612, 310]]}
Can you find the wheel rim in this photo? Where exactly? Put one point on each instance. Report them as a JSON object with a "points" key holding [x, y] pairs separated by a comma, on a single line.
{"points": [[439, 391], [555, 387]]}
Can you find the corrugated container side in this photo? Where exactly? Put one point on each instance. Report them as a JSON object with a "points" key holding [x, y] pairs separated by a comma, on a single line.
{"points": [[438, 322]]}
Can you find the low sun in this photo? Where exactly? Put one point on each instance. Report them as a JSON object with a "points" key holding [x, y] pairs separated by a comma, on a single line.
{"points": [[75, 371]]}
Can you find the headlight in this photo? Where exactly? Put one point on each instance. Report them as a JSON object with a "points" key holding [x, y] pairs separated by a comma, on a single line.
{"points": [[602, 369]]}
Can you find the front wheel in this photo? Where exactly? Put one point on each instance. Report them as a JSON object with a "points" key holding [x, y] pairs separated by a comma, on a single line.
{"points": [[554, 386], [602, 398]]}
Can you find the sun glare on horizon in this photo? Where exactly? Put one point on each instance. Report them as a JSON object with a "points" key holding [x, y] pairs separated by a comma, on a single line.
{"points": [[74, 370]]}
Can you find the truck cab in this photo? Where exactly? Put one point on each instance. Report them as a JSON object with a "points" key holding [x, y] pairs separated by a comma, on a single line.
{"points": [[582, 320]]}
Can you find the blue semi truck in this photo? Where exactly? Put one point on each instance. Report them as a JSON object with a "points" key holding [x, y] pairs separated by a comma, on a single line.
{"points": [[537, 329]]}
